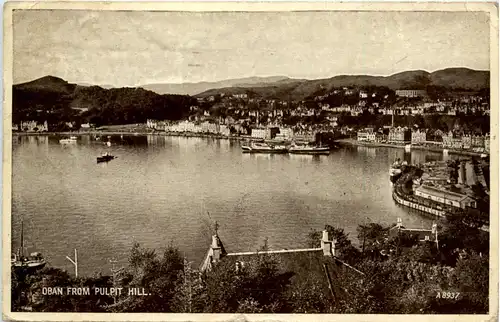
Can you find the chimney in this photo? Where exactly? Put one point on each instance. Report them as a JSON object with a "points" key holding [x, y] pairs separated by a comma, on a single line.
{"points": [[434, 229], [399, 223], [216, 249], [327, 245], [461, 173]]}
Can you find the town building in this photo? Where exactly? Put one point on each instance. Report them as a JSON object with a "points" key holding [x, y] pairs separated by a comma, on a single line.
{"points": [[367, 135], [423, 235], [399, 135], [285, 134], [477, 141], [261, 133], [445, 197], [243, 96], [452, 141], [34, 126], [411, 93], [467, 141], [418, 136]]}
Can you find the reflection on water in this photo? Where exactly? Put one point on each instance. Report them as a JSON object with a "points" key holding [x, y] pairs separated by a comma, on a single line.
{"points": [[171, 189], [368, 151]]}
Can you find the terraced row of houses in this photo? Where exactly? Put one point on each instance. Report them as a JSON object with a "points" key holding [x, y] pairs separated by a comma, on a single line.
{"points": [[31, 126], [189, 127], [449, 140]]}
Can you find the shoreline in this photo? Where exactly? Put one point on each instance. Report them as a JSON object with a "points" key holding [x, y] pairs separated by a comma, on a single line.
{"points": [[354, 142], [351, 142], [128, 133]]}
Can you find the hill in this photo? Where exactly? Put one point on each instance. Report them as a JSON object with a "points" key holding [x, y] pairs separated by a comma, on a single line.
{"points": [[194, 88], [48, 84], [451, 78]]}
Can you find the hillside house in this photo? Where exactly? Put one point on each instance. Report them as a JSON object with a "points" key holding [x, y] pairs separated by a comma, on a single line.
{"points": [[410, 93]]}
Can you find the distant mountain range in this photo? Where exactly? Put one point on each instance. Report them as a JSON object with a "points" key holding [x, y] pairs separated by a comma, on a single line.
{"points": [[283, 87], [195, 88], [451, 78]]}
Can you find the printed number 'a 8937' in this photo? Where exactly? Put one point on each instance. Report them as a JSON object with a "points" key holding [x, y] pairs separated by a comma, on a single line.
{"points": [[448, 295]]}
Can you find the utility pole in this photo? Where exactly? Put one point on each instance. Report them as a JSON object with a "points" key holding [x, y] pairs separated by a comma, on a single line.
{"points": [[74, 262]]}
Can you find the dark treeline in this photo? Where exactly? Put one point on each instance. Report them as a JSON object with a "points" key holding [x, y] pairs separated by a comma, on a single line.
{"points": [[401, 275], [97, 105]]}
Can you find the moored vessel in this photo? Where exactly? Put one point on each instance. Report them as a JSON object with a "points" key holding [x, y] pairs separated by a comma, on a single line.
{"points": [[259, 147], [27, 263], [105, 157], [306, 149], [72, 139]]}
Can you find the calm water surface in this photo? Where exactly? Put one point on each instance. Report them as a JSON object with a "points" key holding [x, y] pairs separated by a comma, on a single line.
{"points": [[170, 190]]}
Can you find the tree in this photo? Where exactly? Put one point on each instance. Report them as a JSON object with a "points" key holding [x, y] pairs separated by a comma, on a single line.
{"points": [[462, 232], [190, 296], [372, 238], [28, 288], [158, 276]]}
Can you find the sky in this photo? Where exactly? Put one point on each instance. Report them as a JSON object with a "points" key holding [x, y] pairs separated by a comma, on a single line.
{"points": [[130, 48]]}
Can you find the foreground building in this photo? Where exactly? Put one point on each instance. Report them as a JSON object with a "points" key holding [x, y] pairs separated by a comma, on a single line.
{"points": [[306, 265]]}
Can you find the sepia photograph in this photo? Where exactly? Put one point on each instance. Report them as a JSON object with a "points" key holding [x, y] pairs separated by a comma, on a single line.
{"points": [[250, 158]]}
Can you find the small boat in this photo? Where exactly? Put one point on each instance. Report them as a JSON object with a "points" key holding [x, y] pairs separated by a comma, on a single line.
{"points": [[72, 139], [105, 157], [306, 149], [258, 147], [19, 262]]}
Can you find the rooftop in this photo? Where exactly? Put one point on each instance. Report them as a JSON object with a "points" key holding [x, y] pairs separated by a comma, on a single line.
{"points": [[304, 266], [445, 194]]}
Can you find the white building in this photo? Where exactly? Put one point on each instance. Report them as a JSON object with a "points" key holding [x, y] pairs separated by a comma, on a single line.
{"points": [[261, 133]]}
